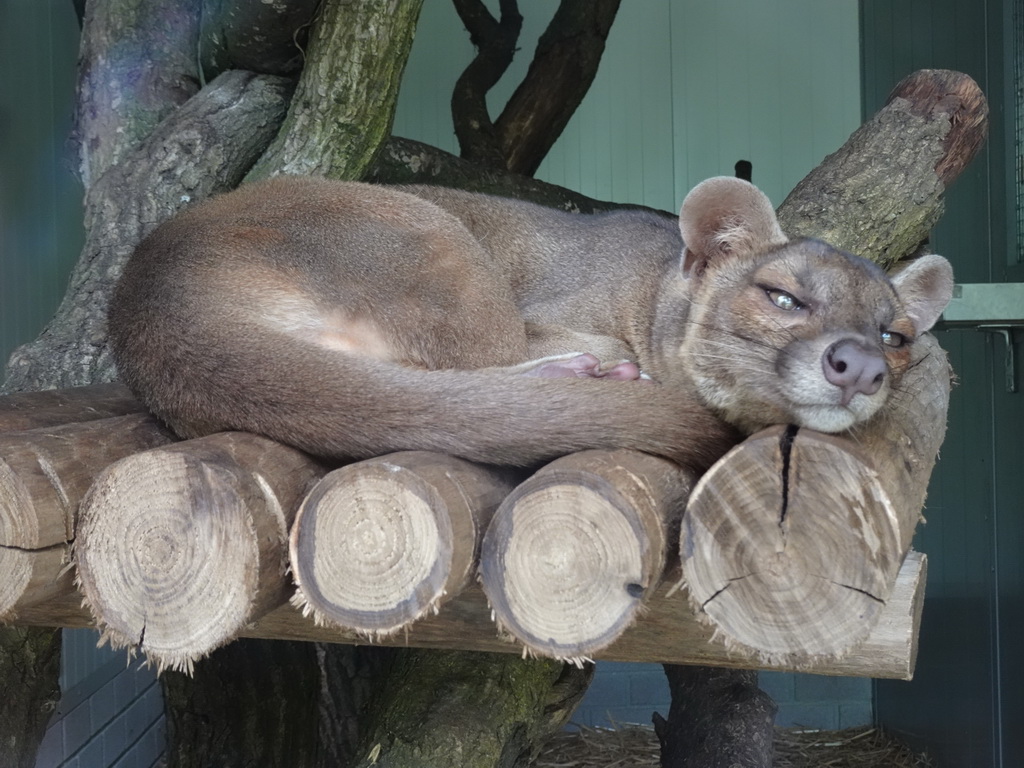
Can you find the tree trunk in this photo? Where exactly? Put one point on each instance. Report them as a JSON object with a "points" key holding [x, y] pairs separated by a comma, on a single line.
{"points": [[270, 704], [719, 718]]}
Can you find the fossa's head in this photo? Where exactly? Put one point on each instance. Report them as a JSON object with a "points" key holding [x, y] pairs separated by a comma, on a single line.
{"points": [[797, 331]]}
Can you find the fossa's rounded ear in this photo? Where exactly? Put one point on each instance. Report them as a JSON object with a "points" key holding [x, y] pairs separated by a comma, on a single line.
{"points": [[724, 216], [925, 287]]}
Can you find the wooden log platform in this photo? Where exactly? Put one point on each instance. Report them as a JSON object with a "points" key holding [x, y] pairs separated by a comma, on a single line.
{"points": [[792, 541], [54, 407], [180, 548]]}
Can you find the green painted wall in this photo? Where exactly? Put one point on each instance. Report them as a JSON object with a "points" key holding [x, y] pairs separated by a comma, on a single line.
{"points": [[40, 200]]}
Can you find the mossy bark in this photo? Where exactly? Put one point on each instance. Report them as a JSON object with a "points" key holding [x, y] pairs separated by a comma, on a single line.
{"points": [[439, 709], [344, 103]]}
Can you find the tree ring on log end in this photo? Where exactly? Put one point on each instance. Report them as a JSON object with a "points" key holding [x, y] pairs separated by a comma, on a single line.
{"points": [[565, 564], [167, 553], [790, 546], [371, 548]]}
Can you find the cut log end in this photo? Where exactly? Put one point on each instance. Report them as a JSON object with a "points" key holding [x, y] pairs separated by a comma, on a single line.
{"points": [[790, 546], [955, 97], [567, 562], [176, 576], [371, 549]]}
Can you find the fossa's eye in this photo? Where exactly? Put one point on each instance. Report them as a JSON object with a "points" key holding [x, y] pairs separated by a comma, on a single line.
{"points": [[783, 300], [893, 339]]}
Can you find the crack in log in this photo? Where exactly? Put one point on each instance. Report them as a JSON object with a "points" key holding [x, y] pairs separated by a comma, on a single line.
{"points": [[35, 550], [864, 592], [786, 449], [728, 584], [704, 605]]}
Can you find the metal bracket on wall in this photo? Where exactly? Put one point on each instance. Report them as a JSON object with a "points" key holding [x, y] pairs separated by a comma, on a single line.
{"points": [[1009, 360], [991, 308]]}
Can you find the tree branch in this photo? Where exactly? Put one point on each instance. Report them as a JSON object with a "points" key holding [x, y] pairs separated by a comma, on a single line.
{"points": [[344, 103], [563, 67], [495, 42], [880, 194], [404, 161], [259, 37]]}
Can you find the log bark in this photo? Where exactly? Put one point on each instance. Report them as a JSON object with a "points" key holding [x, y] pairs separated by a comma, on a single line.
{"points": [[560, 73], [880, 194], [404, 161], [380, 543], [29, 668], [357, 48], [133, 73], [226, 724], [495, 40], [268, 38], [54, 407], [574, 553], [205, 556]]}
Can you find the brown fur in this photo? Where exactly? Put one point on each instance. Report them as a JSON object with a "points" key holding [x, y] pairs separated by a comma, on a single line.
{"points": [[352, 320]]}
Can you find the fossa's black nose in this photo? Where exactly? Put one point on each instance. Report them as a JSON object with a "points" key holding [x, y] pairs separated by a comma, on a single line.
{"points": [[854, 369]]}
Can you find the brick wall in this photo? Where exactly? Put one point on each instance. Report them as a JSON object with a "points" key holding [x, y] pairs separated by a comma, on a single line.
{"points": [[112, 717]]}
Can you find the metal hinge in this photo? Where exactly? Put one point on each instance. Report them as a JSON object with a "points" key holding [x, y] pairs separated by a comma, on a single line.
{"points": [[991, 308]]}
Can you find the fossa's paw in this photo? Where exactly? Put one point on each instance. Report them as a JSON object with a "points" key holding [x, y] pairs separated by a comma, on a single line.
{"points": [[581, 366]]}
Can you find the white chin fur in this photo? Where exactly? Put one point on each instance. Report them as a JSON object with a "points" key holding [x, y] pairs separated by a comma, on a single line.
{"points": [[825, 418]]}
